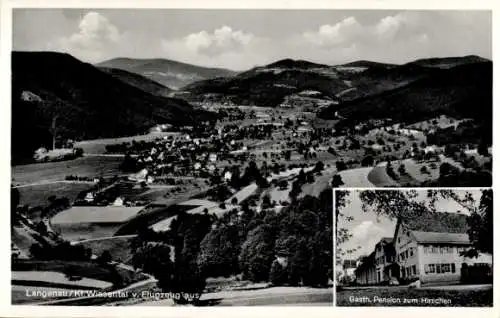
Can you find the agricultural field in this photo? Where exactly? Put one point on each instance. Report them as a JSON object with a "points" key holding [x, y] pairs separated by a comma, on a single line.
{"points": [[321, 182], [279, 195], [95, 215], [98, 146], [30, 275], [37, 195], [88, 269], [56, 279], [154, 193], [57, 171], [379, 177], [78, 232], [356, 178], [119, 248], [414, 169]]}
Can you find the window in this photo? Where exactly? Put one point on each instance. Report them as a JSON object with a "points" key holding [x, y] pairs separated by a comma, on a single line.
{"points": [[411, 251], [435, 249], [414, 269], [445, 268], [432, 268], [406, 254], [438, 268], [426, 268], [453, 267]]}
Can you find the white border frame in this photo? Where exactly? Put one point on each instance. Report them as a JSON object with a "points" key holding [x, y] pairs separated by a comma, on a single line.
{"points": [[6, 309]]}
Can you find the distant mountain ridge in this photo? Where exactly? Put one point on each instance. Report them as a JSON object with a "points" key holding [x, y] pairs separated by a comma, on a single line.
{"points": [[274, 84], [169, 73], [138, 81], [465, 90], [448, 62]]}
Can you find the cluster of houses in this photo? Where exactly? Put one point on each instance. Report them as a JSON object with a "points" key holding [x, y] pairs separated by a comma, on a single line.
{"points": [[186, 156], [431, 251]]}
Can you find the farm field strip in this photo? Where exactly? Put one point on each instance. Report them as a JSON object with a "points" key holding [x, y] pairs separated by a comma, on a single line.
{"points": [[58, 278], [356, 178], [379, 177], [93, 214], [57, 171]]}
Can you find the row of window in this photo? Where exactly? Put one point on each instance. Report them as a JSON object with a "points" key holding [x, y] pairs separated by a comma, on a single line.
{"points": [[433, 249], [439, 268]]}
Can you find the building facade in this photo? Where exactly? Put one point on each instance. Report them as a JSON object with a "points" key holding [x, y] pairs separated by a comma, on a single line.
{"points": [[430, 256], [430, 249]]}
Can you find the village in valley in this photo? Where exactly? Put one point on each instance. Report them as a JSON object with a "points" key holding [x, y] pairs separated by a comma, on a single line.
{"points": [[156, 182], [240, 168]]}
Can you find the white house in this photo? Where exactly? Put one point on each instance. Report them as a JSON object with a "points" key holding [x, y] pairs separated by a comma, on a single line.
{"points": [[89, 197], [429, 248], [228, 175], [118, 201], [212, 157]]}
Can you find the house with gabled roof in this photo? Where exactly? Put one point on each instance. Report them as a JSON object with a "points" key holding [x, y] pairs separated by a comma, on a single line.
{"points": [[429, 247], [384, 260]]}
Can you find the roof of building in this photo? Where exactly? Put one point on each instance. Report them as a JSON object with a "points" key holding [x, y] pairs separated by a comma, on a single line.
{"points": [[386, 239], [440, 237], [443, 222]]}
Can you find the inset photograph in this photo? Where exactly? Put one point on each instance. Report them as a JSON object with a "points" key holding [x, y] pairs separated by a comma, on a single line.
{"points": [[414, 248]]}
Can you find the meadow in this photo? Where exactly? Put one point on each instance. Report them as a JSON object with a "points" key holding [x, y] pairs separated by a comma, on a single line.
{"points": [[37, 195], [57, 171]]}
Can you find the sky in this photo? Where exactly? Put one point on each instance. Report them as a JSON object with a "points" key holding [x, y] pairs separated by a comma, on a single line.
{"points": [[241, 39], [367, 228]]}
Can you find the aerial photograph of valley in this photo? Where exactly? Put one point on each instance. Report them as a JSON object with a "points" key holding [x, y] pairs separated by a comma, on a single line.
{"points": [[177, 157]]}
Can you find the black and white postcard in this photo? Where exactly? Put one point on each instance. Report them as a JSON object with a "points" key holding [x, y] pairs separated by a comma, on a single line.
{"points": [[162, 154]]}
